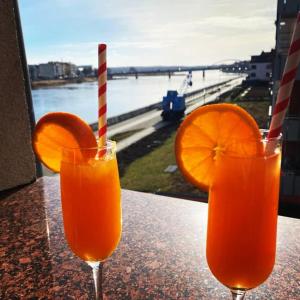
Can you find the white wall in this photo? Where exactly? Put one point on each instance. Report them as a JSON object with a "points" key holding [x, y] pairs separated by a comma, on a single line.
{"points": [[260, 70]]}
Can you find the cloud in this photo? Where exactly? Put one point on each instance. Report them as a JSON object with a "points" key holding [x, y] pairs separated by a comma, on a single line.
{"points": [[237, 23], [158, 32]]}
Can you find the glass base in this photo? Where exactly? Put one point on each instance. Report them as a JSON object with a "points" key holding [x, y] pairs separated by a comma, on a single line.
{"points": [[97, 276], [238, 294]]}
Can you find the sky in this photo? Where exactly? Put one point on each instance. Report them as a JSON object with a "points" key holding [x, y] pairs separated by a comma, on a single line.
{"points": [[147, 32]]}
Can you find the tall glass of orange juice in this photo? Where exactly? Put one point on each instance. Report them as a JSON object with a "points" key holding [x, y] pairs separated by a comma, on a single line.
{"points": [[91, 204], [220, 149], [242, 219]]}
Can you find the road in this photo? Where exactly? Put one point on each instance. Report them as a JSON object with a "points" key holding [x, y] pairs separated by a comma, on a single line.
{"points": [[149, 122]]}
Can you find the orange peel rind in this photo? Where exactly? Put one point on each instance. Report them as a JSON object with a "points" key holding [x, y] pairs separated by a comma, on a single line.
{"points": [[210, 131], [58, 130]]}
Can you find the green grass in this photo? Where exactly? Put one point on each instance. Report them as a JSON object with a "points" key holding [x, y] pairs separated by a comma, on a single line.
{"points": [[259, 111], [146, 174]]}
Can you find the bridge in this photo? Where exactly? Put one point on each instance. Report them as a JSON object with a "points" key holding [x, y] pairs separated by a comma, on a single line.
{"points": [[234, 67]]}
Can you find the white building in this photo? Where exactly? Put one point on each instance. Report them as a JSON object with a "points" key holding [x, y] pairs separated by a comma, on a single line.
{"points": [[51, 70], [55, 70], [261, 67], [47, 71], [69, 70]]}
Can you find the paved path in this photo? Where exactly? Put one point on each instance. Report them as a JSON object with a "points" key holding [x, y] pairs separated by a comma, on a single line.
{"points": [[151, 121]]}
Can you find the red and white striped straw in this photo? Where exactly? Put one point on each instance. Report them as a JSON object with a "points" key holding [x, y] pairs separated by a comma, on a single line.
{"points": [[287, 82], [102, 79]]}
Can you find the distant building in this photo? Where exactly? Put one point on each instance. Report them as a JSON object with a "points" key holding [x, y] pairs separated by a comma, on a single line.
{"points": [[86, 70], [261, 67], [59, 69], [50, 70], [69, 70], [33, 72], [287, 11], [53, 70]]}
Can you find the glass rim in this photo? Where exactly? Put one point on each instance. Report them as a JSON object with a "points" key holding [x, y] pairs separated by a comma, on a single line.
{"points": [[110, 145], [266, 139], [275, 142]]}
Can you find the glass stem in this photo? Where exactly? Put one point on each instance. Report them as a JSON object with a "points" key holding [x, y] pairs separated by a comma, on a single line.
{"points": [[237, 294], [97, 276]]}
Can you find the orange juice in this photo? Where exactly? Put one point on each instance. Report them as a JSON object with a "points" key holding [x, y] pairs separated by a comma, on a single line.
{"points": [[90, 193], [242, 218]]}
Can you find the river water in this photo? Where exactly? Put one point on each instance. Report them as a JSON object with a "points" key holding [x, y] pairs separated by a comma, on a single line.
{"points": [[123, 95]]}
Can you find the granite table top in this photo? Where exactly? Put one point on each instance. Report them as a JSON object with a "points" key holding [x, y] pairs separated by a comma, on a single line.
{"points": [[161, 254]]}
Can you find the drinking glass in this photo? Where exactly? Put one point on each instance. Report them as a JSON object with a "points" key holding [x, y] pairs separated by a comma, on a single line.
{"points": [[91, 204], [242, 218]]}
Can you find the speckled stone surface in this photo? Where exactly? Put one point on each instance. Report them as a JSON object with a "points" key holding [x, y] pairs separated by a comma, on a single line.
{"points": [[161, 254]]}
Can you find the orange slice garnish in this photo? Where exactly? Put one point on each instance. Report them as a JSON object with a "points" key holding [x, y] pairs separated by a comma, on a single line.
{"points": [[58, 130], [210, 131]]}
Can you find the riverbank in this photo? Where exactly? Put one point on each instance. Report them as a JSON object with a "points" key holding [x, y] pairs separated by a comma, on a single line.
{"points": [[57, 82]]}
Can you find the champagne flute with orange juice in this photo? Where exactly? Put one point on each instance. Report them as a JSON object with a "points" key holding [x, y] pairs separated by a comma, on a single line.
{"points": [[91, 204], [90, 195], [220, 149], [90, 187]]}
